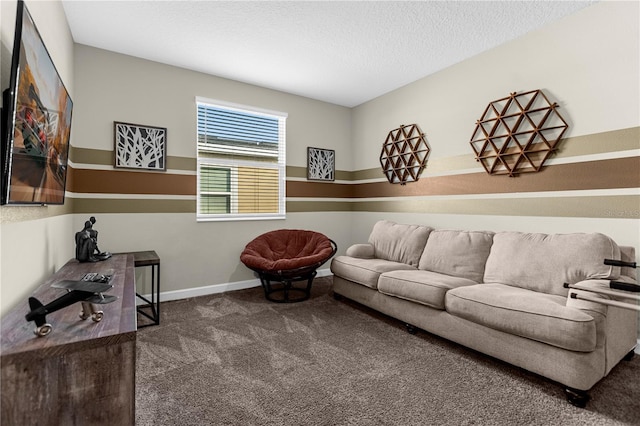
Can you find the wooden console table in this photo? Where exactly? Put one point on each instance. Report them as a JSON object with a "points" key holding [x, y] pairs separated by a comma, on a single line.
{"points": [[83, 372]]}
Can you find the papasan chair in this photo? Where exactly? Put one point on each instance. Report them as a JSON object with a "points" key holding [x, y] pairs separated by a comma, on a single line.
{"points": [[286, 256]]}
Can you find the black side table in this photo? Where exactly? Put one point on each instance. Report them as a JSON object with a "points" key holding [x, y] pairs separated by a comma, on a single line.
{"points": [[152, 309]]}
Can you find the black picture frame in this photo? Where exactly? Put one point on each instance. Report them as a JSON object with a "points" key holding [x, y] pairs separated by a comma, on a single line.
{"points": [[138, 146], [321, 164]]}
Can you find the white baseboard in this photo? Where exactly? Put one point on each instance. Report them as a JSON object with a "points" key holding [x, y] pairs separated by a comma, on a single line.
{"points": [[166, 296]]}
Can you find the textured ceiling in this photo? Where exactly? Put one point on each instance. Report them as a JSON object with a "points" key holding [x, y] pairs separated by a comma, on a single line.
{"points": [[345, 53]]}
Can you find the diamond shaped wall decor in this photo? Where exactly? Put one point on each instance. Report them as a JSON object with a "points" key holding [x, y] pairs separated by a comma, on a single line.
{"points": [[404, 154], [517, 134]]}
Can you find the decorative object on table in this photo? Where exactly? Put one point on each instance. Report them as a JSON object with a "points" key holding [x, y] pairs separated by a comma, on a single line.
{"points": [[87, 244], [321, 164], [517, 134], [88, 291], [140, 147], [404, 154], [287, 256]]}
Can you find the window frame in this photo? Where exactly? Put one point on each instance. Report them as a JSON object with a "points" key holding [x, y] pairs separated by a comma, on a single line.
{"points": [[234, 164]]}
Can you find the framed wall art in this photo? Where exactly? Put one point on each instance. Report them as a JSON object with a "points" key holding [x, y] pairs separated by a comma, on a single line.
{"points": [[140, 147], [321, 164], [518, 133], [404, 154]]}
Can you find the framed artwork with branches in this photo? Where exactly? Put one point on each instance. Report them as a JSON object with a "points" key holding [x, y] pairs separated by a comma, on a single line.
{"points": [[140, 147], [321, 164]]}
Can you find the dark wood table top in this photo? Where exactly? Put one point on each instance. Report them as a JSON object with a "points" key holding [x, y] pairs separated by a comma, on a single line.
{"points": [[145, 258], [69, 331]]}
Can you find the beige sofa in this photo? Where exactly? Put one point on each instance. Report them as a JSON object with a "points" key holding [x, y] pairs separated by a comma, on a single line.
{"points": [[500, 293]]}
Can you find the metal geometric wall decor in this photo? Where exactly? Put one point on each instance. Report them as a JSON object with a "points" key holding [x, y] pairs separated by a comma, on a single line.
{"points": [[140, 147], [321, 164], [404, 154], [517, 134]]}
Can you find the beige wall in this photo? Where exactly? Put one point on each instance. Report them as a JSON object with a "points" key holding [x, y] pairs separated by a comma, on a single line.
{"points": [[34, 241], [157, 210], [592, 184], [592, 75], [114, 87]]}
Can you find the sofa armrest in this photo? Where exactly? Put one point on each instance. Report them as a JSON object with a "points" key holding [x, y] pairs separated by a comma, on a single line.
{"points": [[590, 294], [362, 251], [588, 289]]}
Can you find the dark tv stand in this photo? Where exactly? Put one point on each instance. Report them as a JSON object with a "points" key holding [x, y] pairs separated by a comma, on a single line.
{"points": [[82, 372]]}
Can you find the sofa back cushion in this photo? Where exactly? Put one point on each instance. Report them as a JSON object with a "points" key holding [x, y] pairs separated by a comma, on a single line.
{"points": [[543, 263], [628, 254], [457, 253], [399, 243]]}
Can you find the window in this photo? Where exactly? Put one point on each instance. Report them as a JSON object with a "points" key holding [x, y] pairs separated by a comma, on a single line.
{"points": [[241, 162]]}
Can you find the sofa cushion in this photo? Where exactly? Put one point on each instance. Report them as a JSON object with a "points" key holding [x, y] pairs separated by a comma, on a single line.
{"points": [[544, 262], [399, 243], [628, 254], [538, 316], [364, 271], [424, 287], [457, 253]]}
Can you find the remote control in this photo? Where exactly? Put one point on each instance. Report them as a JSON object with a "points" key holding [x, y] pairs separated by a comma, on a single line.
{"points": [[97, 278]]}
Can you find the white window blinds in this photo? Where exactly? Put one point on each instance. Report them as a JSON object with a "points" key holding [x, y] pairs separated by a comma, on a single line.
{"points": [[241, 162]]}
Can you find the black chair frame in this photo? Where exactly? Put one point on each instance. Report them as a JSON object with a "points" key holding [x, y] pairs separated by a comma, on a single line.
{"points": [[285, 279]]}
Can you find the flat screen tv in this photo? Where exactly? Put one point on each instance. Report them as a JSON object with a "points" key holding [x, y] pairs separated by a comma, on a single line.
{"points": [[36, 121]]}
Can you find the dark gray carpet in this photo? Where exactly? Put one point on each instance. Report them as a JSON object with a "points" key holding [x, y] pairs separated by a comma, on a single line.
{"points": [[236, 359]]}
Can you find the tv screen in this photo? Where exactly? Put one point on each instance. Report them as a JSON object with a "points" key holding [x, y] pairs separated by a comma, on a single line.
{"points": [[37, 122]]}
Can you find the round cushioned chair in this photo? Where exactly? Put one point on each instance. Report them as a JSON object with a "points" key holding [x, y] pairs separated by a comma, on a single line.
{"points": [[287, 256]]}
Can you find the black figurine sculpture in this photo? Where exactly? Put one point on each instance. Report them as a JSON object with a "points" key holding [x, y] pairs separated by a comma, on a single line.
{"points": [[87, 244]]}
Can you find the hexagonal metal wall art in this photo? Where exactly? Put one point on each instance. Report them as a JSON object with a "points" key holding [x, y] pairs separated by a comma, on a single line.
{"points": [[517, 134], [404, 154]]}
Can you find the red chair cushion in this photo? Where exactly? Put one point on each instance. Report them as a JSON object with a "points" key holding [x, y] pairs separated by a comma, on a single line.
{"points": [[286, 249]]}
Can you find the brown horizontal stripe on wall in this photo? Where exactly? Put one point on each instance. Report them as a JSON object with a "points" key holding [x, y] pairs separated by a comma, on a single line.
{"points": [[91, 156], [604, 174], [318, 206], [128, 182], [296, 172], [301, 172], [318, 189], [369, 174], [102, 205], [106, 158], [597, 143], [607, 207], [182, 163]]}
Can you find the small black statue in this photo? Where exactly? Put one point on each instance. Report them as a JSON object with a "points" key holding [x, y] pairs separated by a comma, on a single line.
{"points": [[87, 244]]}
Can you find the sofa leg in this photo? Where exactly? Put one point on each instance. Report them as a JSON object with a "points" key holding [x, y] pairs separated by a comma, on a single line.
{"points": [[337, 296], [411, 329], [576, 397], [629, 356]]}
